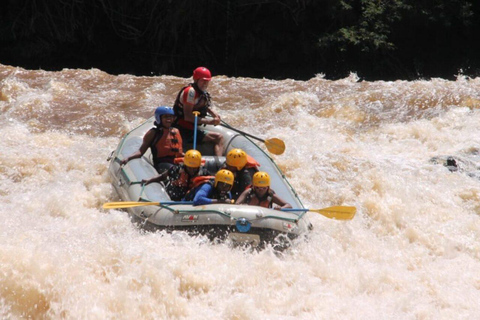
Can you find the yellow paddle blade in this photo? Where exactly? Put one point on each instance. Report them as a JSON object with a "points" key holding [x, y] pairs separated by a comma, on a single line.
{"points": [[338, 212], [275, 146], [128, 204]]}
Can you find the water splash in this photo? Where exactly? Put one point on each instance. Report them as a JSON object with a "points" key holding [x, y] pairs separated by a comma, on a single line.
{"points": [[412, 250]]}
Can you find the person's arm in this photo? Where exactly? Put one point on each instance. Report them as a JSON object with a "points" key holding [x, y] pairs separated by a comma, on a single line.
{"points": [[180, 144], [241, 199], [189, 103], [201, 197], [189, 116], [216, 117], [147, 139], [279, 201], [188, 112], [158, 178]]}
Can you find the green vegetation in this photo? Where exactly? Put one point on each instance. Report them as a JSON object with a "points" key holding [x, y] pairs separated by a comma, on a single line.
{"points": [[378, 39]]}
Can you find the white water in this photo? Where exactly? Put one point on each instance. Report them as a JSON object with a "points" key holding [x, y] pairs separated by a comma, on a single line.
{"points": [[411, 252]]}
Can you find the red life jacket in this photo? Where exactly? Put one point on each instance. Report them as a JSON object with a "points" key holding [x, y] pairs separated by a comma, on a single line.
{"points": [[201, 103], [198, 181]]}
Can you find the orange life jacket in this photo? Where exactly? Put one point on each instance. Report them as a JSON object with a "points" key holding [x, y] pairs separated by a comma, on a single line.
{"points": [[166, 143], [266, 202], [251, 162]]}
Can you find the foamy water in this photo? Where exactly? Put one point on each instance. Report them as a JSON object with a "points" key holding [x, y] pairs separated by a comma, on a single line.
{"points": [[411, 252]]}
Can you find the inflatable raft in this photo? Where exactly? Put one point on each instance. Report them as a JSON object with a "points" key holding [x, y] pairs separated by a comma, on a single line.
{"points": [[241, 224]]}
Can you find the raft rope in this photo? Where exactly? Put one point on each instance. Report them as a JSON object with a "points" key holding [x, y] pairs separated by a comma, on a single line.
{"points": [[203, 211], [129, 181], [225, 214]]}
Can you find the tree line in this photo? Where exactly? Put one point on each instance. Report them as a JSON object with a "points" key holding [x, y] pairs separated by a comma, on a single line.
{"points": [[378, 39]]}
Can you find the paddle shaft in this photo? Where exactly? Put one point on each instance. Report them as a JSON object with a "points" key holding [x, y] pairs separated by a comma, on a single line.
{"points": [[338, 212], [196, 113], [339, 209], [274, 145], [224, 124], [131, 204]]}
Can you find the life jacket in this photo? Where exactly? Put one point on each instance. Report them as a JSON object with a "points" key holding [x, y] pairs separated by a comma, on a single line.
{"points": [[266, 201], [243, 177], [180, 178], [201, 180], [179, 160], [198, 181], [202, 103], [165, 145], [252, 163]]}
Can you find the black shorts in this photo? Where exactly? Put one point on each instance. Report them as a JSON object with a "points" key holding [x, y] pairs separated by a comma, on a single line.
{"points": [[187, 135]]}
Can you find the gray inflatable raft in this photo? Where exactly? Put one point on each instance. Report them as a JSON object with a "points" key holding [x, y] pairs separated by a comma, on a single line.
{"points": [[242, 224]]}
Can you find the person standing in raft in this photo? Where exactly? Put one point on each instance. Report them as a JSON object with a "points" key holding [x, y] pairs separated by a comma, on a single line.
{"points": [[243, 168], [217, 191], [195, 97], [182, 177], [261, 194], [164, 141]]}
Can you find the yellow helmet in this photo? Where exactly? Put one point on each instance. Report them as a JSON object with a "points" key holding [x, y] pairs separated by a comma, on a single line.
{"points": [[237, 158], [193, 159], [261, 179], [225, 176]]}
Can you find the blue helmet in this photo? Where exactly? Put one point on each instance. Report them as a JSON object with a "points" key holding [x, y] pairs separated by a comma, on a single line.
{"points": [[160, 111]]}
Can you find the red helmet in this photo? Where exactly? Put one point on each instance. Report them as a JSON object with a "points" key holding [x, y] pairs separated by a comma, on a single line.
{"points": [[202, 73]]}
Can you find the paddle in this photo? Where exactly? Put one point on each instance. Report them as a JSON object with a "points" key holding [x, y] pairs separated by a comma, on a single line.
{"points": [[196, 113], [338, 212], [130, 204], [274, 145]]}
